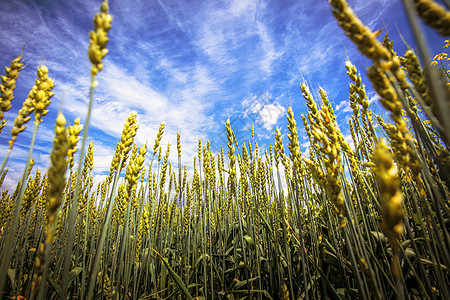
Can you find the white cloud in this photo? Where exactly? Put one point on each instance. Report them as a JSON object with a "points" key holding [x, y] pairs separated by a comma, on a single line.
{"points": [[270, 114], [253, 103], [267, 113], [256, 108], [103, 155]]}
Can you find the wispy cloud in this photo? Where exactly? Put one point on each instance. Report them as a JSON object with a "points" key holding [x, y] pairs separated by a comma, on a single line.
{"points": [[191, 64], [343, 107], [269, 52]]}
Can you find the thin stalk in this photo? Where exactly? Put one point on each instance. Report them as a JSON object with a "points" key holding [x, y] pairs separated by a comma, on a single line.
{"points": [[101, 241], [241, 231], [116, 253], [361, 286], [8, 247], [48, 247], [300, 229], [123, 246], [5, 160], [281, 203], [83, 273], [23, 253], [419, 280], [130, 252], [73, 207], [210, 248], [204, 241], [357, 234]]}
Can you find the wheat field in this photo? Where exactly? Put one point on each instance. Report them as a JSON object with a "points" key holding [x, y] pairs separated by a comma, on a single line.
{"points": [[367, 220]]}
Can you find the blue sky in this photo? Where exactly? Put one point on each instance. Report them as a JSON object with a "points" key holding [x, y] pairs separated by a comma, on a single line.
{"points": [[192, 64]]}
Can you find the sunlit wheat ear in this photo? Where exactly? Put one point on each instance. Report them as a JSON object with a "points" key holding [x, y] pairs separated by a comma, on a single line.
{"points": [[327, 138], [331, 148], [384, 88], [434, 15], [2, 125], [38, 99], [357, 86], [310, 103], [31, 194], [121, 204], [22, 118], [416, 75], [389, 44], [179, 144], [164, 170], [42, 94], [199, 150], [106, 287], [56, 176], [73, 132], [40, 202], [391, 199], [134, 169], [231, 156], [6, 207], [361, 35], [128, 133], [309, 134], [400, 135], [2, 177], [294, 146], [9, 84], [358, 97], [56, 173], [143, 230], [88, 161], [99, 39], [158, 137]]}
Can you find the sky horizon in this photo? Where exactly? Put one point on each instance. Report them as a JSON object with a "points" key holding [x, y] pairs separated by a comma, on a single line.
{"points": [[190, 64]]}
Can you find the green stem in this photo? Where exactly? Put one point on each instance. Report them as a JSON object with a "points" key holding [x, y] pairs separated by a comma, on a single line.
{"points": [[101, 241], [5, 160], [9, 245], [73, 208]]}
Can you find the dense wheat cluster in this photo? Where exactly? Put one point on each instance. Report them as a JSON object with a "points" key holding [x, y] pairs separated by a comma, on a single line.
{"points": [[362, 221]]}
